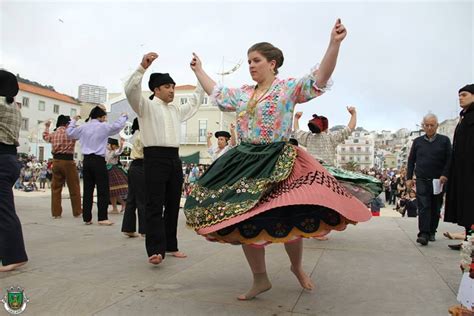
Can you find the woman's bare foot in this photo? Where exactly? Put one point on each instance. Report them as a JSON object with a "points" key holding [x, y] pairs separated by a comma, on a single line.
{"points": [[155, 259], [57, 217], [261, 284], [105, 223], [321, 238], [88, 223], [131, 235], [114, 211], [303, 278], [12, 266], [178, 254]]}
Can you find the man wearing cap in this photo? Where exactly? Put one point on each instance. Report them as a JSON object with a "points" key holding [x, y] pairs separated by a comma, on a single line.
{"points": [[223, 146], [460, 189], [320, 143], [64, 167], [93, 137], [160, 130], [12, 246]]}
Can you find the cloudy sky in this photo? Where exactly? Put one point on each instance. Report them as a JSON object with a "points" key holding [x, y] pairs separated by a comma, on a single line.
{"points": [[399, 61]]}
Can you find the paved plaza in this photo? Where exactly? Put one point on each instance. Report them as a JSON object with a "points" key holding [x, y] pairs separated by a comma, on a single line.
{"points": [[374, 268]]}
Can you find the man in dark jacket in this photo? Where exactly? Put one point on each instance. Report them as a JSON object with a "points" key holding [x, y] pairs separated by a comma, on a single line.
{"points": [[429, 159], [459, 206]]}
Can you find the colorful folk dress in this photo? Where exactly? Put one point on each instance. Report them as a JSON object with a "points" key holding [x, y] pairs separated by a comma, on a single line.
{"points": [[118, 180], [266, 190]]}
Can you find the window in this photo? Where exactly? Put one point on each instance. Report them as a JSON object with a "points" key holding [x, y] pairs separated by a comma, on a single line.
{"points": [[56, 108], [73, 112], [343, 149], [24, 124], [39, 122], [356, 141], [41, 106], [205, 100], [359, 149], [25, 102], [183, 132], [367, 149], [343, 158], [202, 131], [357, 134], [366, 158], [183, 100]]}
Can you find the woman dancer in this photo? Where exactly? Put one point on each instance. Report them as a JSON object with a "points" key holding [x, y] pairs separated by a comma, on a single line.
{"points": [[266, 190], [118, 182]]}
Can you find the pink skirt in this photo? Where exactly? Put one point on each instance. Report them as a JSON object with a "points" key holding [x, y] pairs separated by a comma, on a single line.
{"points": [[310, 202]]}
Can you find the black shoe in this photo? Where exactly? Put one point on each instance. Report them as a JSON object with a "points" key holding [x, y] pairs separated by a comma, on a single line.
{"points": [[422, 239], [455, 247], [432, 237]]}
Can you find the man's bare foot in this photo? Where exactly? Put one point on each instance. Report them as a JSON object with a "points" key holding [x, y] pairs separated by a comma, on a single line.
{"points": [[155, 259], [131, 235], [261, 284], [178, 254], [303, 278], [114, 212], [12, 266], [105, 223]]}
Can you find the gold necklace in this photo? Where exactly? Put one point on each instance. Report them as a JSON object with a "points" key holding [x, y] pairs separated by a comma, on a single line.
{"points": [[251, 106]]}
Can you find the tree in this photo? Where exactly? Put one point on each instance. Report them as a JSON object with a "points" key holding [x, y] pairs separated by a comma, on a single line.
{"points": [[352, 166]]}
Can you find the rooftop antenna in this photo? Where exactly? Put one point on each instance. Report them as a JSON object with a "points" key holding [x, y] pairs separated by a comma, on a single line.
{"points": [[223, 73]]}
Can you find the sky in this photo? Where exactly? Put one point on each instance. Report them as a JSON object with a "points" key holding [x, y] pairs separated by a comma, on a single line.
{"points": [[399, 61]]}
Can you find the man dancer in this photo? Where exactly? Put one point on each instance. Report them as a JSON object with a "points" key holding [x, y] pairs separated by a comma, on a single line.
{"points": [[320, 143], [93, 137], [12, 247], [160, 126], [429, 159], [64, 167]]}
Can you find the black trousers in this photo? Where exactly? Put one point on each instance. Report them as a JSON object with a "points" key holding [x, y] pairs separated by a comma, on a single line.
{"points": [[429, 206], [136, 199], [164, 180], [12, 246], [95, 174]]}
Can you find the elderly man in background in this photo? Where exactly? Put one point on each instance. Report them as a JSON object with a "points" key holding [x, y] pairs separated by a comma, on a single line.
{"points": [[429, 159]]}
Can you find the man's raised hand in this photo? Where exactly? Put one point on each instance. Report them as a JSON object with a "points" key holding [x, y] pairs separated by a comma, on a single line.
{"points": [[148, 59]]}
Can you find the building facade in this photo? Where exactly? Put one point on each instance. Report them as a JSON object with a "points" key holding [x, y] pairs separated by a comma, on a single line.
{"points": [[38, 105], [92, 94], [194, 131], [358, 148]]}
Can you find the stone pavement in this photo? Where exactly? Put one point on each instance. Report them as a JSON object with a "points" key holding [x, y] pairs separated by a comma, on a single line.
{"points": [[373, 268]]}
